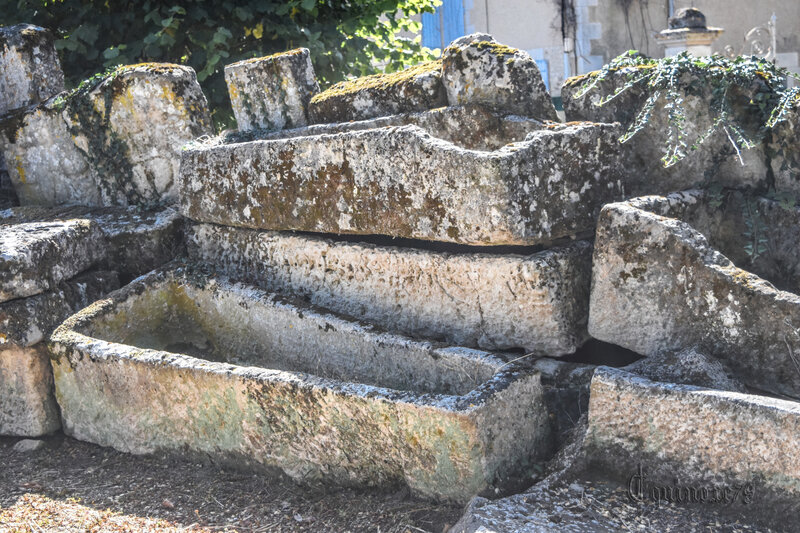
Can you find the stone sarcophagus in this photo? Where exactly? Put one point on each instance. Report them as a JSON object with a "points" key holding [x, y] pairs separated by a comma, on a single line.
{"points": [[660, 281], [179, 360], [403, 182]]}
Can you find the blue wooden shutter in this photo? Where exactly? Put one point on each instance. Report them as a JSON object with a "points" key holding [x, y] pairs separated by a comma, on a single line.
{"points": [[431, 30], [444, 26]]}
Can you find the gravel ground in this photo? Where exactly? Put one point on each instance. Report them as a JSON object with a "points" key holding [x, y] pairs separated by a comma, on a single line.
{"points": [[600, 506], [73, 486]]}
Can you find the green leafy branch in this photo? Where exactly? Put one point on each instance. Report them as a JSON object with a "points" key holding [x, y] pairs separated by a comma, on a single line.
{"points": [[671, 79]]}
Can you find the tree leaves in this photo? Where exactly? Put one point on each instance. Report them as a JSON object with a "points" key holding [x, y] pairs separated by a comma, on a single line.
{"points": [[345, 38]]}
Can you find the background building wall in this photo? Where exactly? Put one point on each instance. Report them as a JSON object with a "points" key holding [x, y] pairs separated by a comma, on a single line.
{"points": [[603, 29]]}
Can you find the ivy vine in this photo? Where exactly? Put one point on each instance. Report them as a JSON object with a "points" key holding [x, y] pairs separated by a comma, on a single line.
{"points": [[674, 78]]}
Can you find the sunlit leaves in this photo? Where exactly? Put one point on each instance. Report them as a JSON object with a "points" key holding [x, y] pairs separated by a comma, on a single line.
{"points": [[345, 38]]}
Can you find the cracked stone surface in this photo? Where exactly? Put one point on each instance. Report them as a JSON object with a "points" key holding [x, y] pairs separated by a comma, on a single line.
{"points": [[31, 72], [27, 404], [658, 284], [478, 70], [714, 161], [118, 143], [402, 182], [535, 301], [36, 256], [118, 386], [137, 240], [273, 92], [417, 88], [690, 436]]}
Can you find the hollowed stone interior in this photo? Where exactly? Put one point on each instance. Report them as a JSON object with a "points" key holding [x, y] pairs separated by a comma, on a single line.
{"points": [[735, 223], [472, 127], [241, 325]]}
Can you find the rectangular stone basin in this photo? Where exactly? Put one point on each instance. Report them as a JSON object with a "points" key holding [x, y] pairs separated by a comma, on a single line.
{"points": [[660, 281], [723, 445], [404, 181], [179, 361]]}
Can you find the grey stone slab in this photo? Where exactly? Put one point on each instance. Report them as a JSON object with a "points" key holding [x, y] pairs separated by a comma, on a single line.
{"points": [[687, 367], [29, 68], [714, 161], [402, 182], [661, 283], [36, 256], [183, 361], [136, 240], [473, 127], [536, 301], [272, 92]]}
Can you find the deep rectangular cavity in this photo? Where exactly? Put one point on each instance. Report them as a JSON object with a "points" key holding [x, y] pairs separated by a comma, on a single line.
{"points": [[473, 127], [448, 422], [241, 325]]}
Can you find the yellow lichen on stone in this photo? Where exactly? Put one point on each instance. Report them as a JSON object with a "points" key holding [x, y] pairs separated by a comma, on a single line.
{"points": [[20, 170], [497, 48], [377, 81]]}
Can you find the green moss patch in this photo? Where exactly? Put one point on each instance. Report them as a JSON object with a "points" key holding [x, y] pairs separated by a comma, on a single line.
{"points": [[379, 82]]}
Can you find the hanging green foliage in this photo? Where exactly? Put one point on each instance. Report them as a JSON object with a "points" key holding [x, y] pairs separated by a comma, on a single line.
{"points": [[671, 79], [345, 37]]}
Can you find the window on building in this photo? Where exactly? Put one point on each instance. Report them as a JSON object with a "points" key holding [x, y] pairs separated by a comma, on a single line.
{"points": [[444, 26]]}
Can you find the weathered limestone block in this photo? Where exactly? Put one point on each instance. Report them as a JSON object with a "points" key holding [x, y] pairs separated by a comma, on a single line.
{"points": [[400, 181], [473, 127], [784, 152], [30, 70], [44, 163], [688, 436], [713, 161], [686, 367], [492, 301], [478, 70], [137, 240], [272, 92], [27, 404], [178, 361], [417, 88], [658, 283], [116, 143], [36, 256]]}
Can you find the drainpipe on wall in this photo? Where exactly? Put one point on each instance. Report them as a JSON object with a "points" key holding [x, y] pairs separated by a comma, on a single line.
{"points": [[568, 31], [671, 8]]}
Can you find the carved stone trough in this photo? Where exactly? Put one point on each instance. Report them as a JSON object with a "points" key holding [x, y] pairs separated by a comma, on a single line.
{"points": [[660, 282], [182, 361], [420, 176]]}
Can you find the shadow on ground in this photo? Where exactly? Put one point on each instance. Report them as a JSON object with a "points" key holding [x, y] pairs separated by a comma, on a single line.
{"points": [[70, 485]]}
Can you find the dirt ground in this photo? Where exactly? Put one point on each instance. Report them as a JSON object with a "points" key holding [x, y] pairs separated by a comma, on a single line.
{"points": [[74, 486]]}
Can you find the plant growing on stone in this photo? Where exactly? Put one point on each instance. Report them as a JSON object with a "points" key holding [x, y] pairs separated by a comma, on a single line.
{"points": [[344, 37], [669, 80]]}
